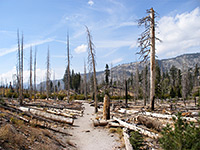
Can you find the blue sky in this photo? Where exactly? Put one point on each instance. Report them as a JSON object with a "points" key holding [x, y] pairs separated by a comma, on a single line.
{"points": [[112, 24]]}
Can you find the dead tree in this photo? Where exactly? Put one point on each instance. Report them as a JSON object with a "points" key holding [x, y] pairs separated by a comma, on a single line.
{"points": [[147, 45], [184, 85], [68, 70], [106, 108], [47, 75], [54, 85], [35, 76], [22, 65], [85, 82], [136, 84], [31, 86], [19, 68], [91, 62]]}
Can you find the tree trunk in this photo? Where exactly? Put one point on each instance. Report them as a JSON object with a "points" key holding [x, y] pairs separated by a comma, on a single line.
{"points": [[135, 128], [152, 60], [22, 68], [106, 108], [35, 77], [150, 123], [31, 87], [91, 53], [48, 75], [126, 91], [68, 70], [48, 115]]}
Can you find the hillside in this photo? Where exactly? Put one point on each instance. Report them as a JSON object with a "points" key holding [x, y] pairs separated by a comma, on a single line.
{"points": [[186, 61]]}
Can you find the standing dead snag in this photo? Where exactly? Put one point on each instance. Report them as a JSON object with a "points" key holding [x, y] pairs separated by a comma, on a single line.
{"points": [[20, 68], [106, 108], [68, 70], [31, 87], [91, 62], [48, 75], [147, 45], [85, 82], [35, 76]]}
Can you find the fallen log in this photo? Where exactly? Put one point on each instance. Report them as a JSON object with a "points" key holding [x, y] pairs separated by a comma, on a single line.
{"points": [[122, 110], [164, 116], [135, 128], [100, 122], [61, 114], [150, 123], [114, 124], [53, 117], [127, 143], [52, 106]]}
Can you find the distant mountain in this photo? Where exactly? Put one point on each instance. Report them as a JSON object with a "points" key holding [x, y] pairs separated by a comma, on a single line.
{"points": [[186, 61], [183, 61]]}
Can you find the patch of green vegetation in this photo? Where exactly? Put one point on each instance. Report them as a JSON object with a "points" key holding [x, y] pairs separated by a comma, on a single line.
{"points": [[136, 140], [184, 136]]}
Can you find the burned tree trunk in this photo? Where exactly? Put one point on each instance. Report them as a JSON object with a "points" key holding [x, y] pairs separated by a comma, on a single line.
{"points": [[85, 82], [19, 68], [31, 87], [48, 75], [147, 40], [152, 60], [150, 123], [68, 70], [106, 108], [35, 76], [91, 61]]}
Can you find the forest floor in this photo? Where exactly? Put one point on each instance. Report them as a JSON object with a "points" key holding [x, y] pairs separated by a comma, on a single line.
{"points": [[86, 136]]}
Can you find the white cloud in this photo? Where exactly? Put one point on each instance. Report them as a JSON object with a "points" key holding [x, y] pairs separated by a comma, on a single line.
{"points": [[10, 76], [114, 43], [5, 51], [180, 34], [115, 61], [81, 49], [126, 24], [90, 2]]}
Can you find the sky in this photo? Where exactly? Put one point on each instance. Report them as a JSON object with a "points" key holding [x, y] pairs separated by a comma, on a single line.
{"points": [[113, 26]]}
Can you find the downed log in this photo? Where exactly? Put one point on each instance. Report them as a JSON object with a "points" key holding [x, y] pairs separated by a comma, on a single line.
{"points": [[135, 128], [52, 106], [164, 116], [150, 123], [53, 117], [100, 122], [123, 110], [114, 124], [61, 114], [127, 143]]}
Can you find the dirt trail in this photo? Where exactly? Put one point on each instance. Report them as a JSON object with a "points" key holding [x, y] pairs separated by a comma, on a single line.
{"points": [[87, 137]]}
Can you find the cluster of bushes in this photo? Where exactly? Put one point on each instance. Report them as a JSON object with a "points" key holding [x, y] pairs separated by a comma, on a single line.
{"points": [[185, 135]]}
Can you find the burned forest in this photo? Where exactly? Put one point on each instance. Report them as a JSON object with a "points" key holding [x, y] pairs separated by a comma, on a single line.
{"points": [[62, 96]]}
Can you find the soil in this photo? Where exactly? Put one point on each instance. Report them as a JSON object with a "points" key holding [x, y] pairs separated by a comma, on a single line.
{"points": [[87, 137]]}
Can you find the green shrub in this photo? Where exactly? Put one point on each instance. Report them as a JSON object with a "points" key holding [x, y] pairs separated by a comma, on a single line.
{"points": [[100, 97], [136, 140], [185, 136], [115, 97], [11, 94], [79, 97], [61, 96], [43, 96]]}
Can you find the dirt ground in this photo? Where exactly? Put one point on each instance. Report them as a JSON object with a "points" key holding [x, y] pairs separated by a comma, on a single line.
{"points": [[87, 137]]}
